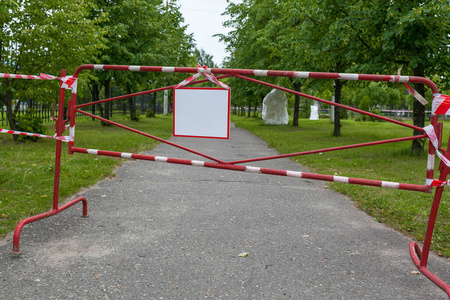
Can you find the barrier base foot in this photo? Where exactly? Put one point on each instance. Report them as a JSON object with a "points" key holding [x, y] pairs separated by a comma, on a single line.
{"points": [[18, 230], [15, 253], [416, 255]]}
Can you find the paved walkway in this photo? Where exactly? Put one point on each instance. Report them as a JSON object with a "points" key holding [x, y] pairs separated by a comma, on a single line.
{"points": [[163, 231]]}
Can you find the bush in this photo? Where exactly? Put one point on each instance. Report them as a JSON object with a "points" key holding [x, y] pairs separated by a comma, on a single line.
{"points": [[372, 119], [137, 117], [29, 122], [150, 113]]}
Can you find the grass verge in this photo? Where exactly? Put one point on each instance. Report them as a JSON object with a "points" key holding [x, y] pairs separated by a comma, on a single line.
{"points": [[27, 168], [402, 210]]}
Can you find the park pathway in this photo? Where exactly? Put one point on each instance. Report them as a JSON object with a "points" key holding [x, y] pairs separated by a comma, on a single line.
{"points": [[164, 231]]}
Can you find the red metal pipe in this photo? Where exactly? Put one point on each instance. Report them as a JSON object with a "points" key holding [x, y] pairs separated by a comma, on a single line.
{"points": [[431, 151], [270, 73], [59, 128], [18, 230], [329, 149], [432, 220], [215, 165], [124, 96], [416, 254]]}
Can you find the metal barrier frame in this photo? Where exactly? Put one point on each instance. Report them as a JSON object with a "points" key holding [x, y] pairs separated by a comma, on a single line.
{"points": [[418, 255], [59, 130]]}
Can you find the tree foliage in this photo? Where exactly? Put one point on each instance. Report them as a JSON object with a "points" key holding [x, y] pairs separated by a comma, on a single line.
{"points": [[48, 35], [344, 36], [141, 32], [43, 37]]}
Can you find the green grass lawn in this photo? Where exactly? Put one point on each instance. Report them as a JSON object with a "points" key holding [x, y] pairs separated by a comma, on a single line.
{"points": [[405, 211], [27, 168]]}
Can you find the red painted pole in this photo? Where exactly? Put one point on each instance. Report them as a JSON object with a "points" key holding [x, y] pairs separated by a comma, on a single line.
{"points": [[59, 128]]}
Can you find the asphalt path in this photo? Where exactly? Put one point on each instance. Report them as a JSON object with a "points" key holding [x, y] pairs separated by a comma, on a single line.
{"points": [[165, 231]]}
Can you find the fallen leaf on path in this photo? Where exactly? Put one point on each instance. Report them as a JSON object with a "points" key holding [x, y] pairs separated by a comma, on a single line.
{"points": [[243, 254]]}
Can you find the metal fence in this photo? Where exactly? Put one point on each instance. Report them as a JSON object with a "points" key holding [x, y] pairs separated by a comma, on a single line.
{"points": [[44, 110]]}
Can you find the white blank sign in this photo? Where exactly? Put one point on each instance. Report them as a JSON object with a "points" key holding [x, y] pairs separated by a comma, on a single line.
{"points": [[201, 112]]}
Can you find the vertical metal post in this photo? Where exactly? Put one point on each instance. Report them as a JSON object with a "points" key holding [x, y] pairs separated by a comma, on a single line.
{"points": [[444, 171], [431, 223], [59, 128]]}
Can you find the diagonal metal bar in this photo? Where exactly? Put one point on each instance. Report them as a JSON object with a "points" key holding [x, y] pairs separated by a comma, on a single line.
{"points": [[331, 103], [143, 93], [329, 149], [151, 136]]}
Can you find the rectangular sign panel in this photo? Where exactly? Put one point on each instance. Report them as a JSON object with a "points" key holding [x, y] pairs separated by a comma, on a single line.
{"points": [[201, 112]]}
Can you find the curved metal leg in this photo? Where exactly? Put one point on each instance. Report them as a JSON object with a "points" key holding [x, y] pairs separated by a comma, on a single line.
{"points": [[17, 231]]}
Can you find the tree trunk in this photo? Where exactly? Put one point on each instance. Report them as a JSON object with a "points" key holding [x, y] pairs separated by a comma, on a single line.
{"points": [[262, 103], [9, 110], [417, 146], [337, 99], [154, 102], [297, 88], [95, 97], [131, 106], [249, 107]]}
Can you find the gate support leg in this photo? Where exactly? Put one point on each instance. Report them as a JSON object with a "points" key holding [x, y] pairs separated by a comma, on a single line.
{"points": [[59, 131], [420, 257], [16, 237]]}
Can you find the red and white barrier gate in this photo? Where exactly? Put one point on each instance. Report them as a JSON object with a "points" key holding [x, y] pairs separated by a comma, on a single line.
{"points": [[441, 105], [59, 130]]}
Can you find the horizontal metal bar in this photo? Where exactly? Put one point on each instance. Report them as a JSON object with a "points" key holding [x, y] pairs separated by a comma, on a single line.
{"points": [[224, 166]]}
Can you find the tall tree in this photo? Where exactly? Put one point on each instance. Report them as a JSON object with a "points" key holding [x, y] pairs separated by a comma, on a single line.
{"points": [[387, 34], [248, 21], [43, 37], [204, 58], [142, 32]]}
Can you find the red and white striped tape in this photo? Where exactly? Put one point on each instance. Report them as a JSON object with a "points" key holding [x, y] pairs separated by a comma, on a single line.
{"points": [[60, 138], [68, 82], [213, 78], [20, 76], [207, 73], [441, 104], [412, 91], [435, 182], [416, 94], [188, 80], [429, 130]]}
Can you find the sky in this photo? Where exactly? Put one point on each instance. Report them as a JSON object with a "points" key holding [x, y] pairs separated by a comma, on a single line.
{"points": [[204, 19]]}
